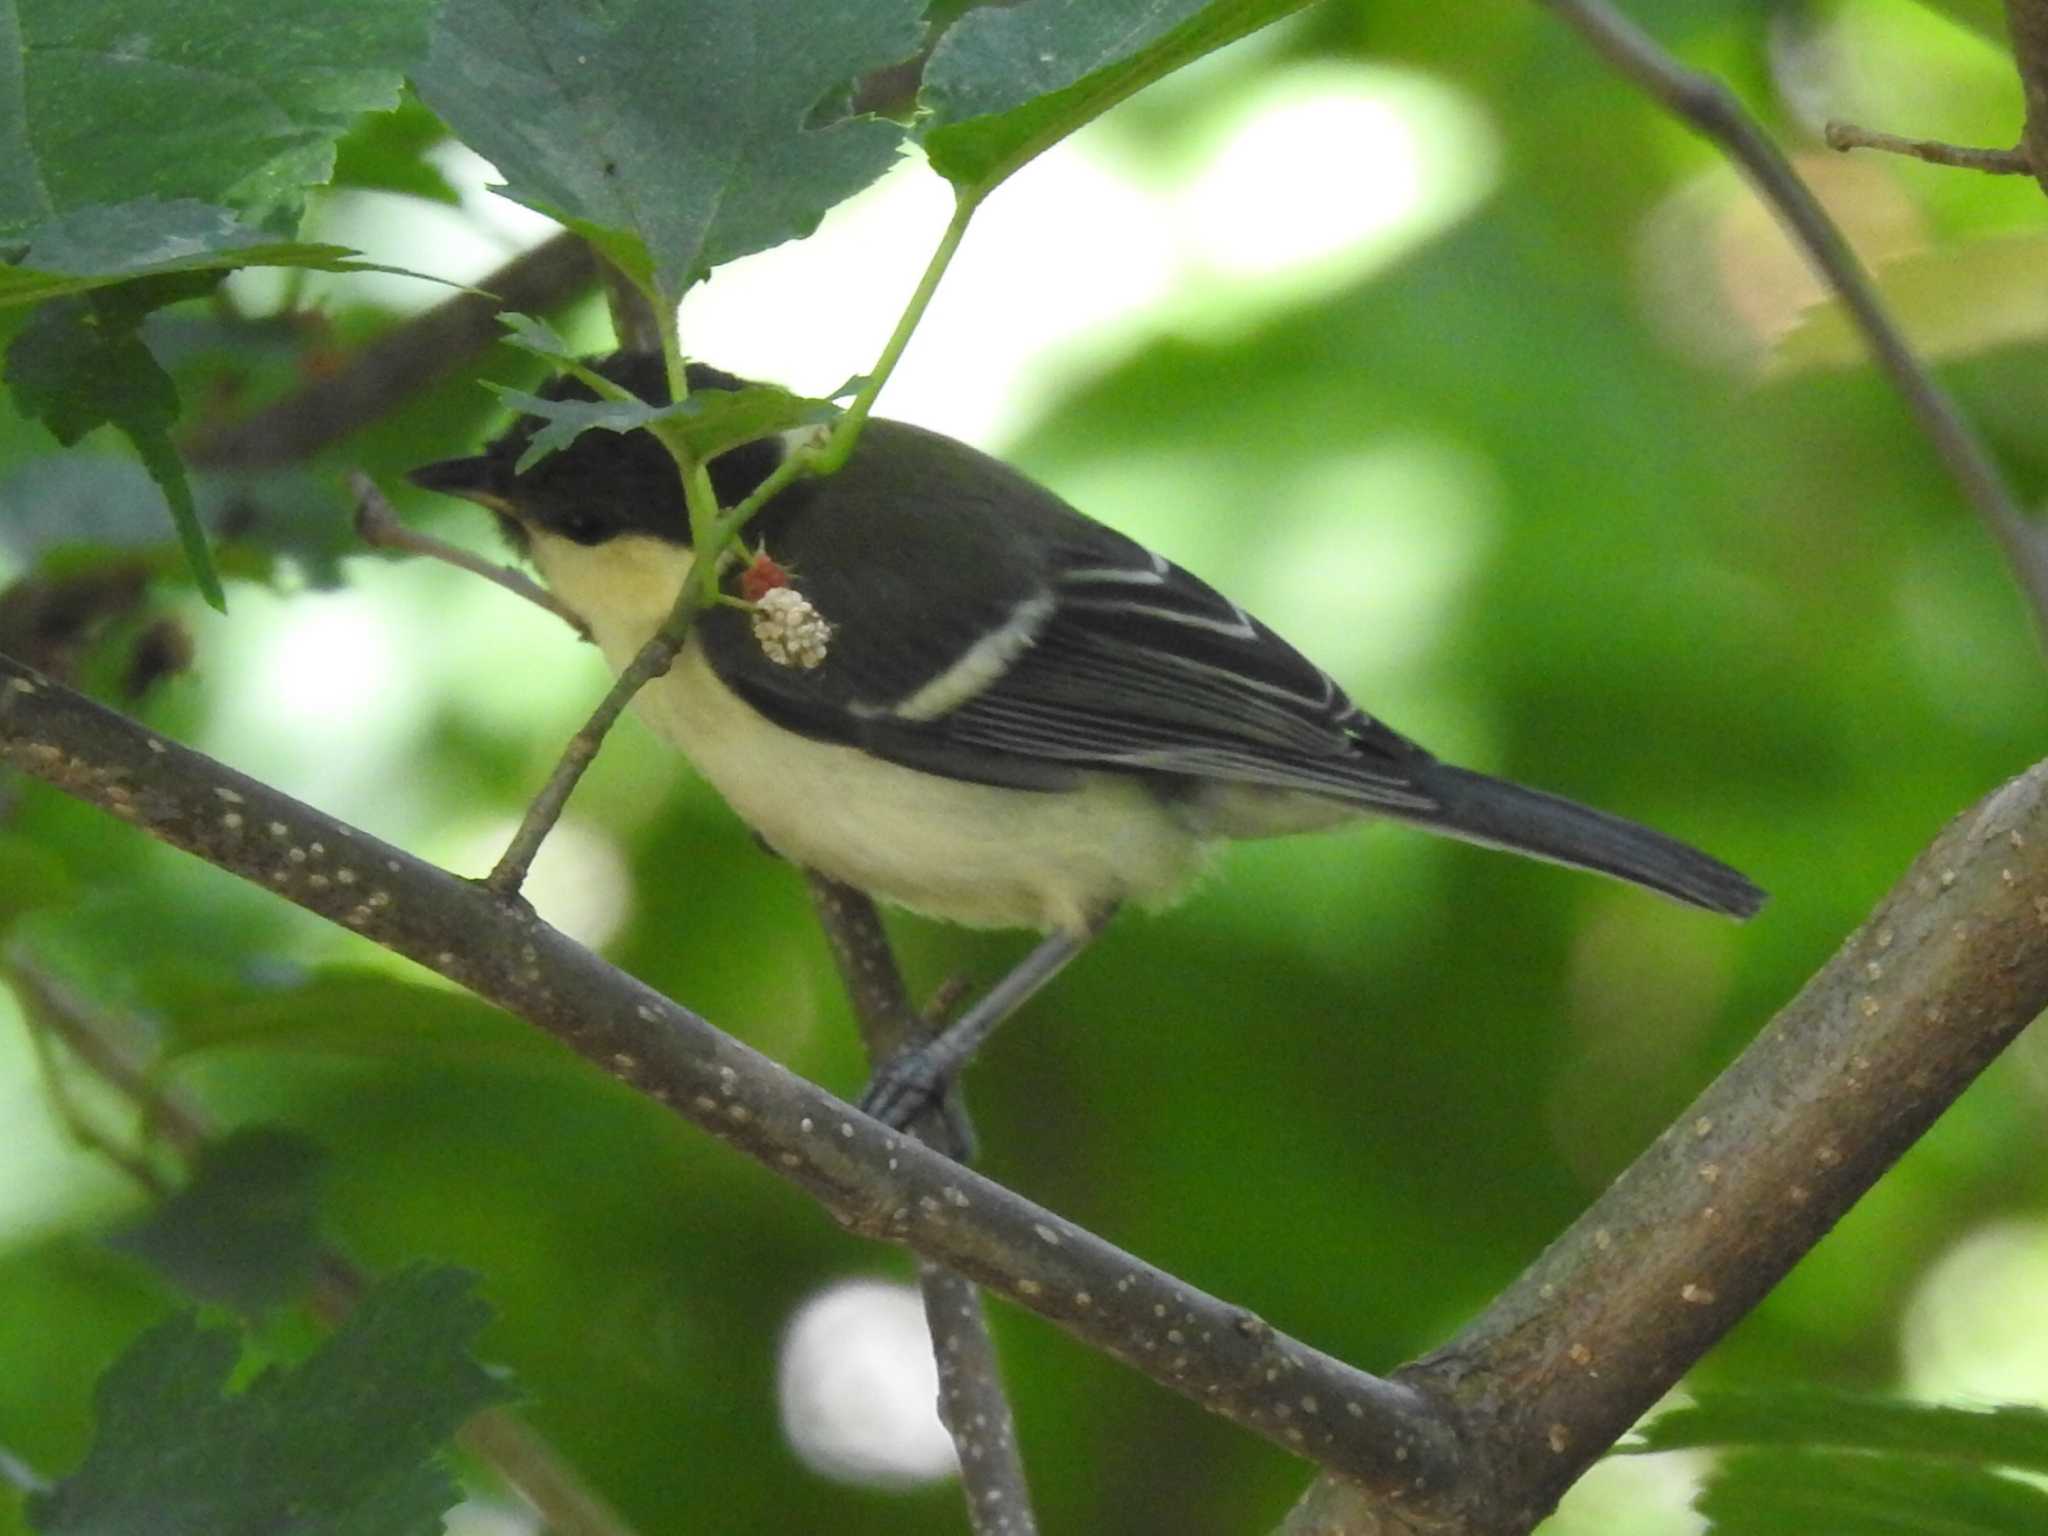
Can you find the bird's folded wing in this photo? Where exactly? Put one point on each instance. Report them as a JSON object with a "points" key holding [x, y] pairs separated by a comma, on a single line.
{"points": [[1106, 656]]}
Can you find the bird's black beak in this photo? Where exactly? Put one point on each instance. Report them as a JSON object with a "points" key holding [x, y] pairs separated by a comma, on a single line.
{"points": [[480, 479]]}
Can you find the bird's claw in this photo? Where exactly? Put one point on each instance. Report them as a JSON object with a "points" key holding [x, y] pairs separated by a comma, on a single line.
{"points": [[903, 1088]]}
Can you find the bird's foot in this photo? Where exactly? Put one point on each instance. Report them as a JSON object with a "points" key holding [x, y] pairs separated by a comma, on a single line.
{"points": [[904, 1087]]}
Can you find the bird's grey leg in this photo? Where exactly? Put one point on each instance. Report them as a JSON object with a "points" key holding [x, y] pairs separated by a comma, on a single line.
{"points": [[905, 1084]]}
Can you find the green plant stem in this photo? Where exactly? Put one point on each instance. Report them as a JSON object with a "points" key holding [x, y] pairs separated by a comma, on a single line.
{"points": [[711, 533], [836, 449]]}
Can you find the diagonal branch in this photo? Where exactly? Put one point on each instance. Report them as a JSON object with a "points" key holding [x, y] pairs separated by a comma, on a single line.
{"points": [[1712, 110], [1481, 1436], [1943, 976], [874, 1180]]}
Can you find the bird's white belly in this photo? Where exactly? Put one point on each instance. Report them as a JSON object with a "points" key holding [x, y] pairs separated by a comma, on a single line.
{"points": [[967, 853]]}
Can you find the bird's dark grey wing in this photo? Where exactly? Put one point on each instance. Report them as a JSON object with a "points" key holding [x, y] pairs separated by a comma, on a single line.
{"points": [[1027, 661], [1140, 666]]}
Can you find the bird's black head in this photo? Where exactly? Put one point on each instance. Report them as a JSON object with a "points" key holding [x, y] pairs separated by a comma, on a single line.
{"points": [[603, 484]]}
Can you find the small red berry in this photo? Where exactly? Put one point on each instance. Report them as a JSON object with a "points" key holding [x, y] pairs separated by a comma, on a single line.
{"points": [[762, 575]]}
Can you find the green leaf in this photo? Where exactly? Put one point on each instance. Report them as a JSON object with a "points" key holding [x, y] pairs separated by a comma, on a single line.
{"points": [[2011, 1436], [529, 333], [387, 152], [77, 365], [244, 1231], [238, 105], [1769, 1493], [708, 422], [31, 876], [1954, 300], [671, 132], [345, 1444], [361, 1015], [1985, 17], [1007, 82], [98, 246]]}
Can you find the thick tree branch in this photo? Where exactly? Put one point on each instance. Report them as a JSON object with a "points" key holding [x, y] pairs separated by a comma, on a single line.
{"points": [[387, 373], [1481, 1436], [1712, 110], [873, 1180], [1947, 971], [972, 1403]]}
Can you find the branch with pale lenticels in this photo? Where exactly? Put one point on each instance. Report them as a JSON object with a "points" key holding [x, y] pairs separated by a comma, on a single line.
{"points": [[875, 1181], [1480, 1436]]}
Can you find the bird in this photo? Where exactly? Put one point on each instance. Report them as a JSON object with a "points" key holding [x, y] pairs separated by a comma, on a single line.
{"points": [[940, 684]]}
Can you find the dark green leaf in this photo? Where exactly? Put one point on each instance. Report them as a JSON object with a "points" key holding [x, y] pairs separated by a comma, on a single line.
{"points": [[101, 245], [2015, 1435], [387, 152], [345, 1444], [709, 421], [244, 1231], [230, 104], [1007, 82], [532, 334], [672, 132], [75, 367], [1773, 1493]]}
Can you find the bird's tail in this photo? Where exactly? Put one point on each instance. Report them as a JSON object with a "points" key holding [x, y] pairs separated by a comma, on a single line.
{"points": [[1494, 812]]}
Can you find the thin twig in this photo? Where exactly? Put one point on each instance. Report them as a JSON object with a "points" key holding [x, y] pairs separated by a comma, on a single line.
{"points": [[1992, 162], [378, 526], [501, 1441], [1713, 111], [972, 1404], [655, 658]]}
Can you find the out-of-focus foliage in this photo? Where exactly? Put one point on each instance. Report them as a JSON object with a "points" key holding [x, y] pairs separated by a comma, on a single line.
{"points": [[1550, 492]]}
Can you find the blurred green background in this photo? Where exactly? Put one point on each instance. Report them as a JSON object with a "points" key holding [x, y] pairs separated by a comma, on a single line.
{"points": [[1487, 385]]}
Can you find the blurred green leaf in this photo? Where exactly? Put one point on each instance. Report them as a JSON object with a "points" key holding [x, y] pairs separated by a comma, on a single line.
{"points": [[233, 104], [358, 1013], [346, 1444], [2014, 1435], [1007, 82], [244, 1230], [1952, 301], [79, 364], [1985, 16], [95, 247], [1775, 1493], [31, 876], [673, 133]]}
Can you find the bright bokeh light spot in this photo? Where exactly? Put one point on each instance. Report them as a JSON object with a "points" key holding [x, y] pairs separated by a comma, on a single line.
{"points": [[1326, 173], [859, 1390], [1376, 546], [1633, 1496], [1974, 1329], [326, 702], [1311, 182], [579, 881]]}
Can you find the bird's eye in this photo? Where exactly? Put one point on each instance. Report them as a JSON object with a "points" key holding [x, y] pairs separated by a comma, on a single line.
{"points": [[580, 524]]}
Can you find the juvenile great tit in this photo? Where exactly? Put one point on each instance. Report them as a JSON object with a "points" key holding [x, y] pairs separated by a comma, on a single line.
{"points": [[1021, 718]]}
